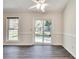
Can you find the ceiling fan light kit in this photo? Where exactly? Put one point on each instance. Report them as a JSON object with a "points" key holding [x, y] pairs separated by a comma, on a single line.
{"points": [[40, 5]]}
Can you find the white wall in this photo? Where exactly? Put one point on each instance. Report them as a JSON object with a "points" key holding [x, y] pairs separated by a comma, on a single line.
{"points": [[26, 27], [69, 41]]}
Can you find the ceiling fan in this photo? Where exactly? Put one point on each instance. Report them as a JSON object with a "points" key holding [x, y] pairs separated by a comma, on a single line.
{"points": [[40, 5]]}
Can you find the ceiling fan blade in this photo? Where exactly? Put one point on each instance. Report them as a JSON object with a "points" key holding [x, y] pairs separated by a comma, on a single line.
{"points": [[43, 7], [36, 6], [32, 7]]}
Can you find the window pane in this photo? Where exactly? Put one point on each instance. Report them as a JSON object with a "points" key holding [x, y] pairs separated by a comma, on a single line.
{"points": [[13, 34], [47, 34], [13, 29]]}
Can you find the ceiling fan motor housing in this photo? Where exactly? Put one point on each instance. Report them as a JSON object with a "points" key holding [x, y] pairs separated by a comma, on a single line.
{"points": [[37, 0]]}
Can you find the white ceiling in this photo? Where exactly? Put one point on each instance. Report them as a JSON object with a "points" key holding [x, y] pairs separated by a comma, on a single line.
{"points": [[23, 5]]}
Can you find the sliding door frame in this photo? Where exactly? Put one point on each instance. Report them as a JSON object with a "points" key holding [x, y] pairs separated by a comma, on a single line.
{"points": [[43, 32]]}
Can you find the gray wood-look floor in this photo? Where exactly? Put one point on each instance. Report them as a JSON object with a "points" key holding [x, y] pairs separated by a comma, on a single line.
{"points": [[35, 52]]}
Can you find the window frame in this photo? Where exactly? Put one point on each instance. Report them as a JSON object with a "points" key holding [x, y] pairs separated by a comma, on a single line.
{"points": [[7, 29]]}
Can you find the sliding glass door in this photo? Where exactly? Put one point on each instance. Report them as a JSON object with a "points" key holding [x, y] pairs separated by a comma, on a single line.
{"points": [[47, 31], [38, 31], [42, 31]]}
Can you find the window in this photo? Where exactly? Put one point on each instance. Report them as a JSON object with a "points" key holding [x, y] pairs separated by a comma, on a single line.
{"points": [[13, 28]]}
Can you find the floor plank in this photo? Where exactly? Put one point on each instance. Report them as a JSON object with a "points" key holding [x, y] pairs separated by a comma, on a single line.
{"points": [[35, 52]]}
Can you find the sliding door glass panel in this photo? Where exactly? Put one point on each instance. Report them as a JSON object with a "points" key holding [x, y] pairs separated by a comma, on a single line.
{"points": [[38, 31], [13, 29], [42, 31], [47, 31]]}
